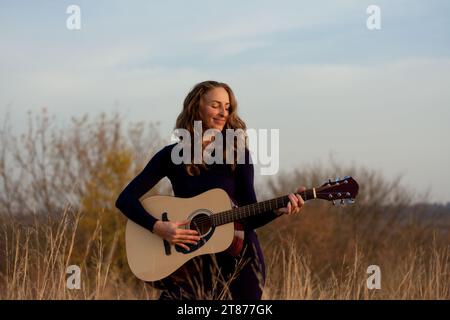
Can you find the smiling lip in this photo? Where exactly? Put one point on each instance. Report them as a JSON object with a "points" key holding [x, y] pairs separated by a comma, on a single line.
{"points": [[220, 120]]}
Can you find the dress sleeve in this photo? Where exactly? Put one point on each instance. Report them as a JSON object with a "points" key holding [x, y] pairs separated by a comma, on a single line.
{"points": [[128, 201], [245, 194]]}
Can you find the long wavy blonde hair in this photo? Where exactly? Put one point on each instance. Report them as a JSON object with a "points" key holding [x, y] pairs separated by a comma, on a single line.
{"points": [[191, 113]]}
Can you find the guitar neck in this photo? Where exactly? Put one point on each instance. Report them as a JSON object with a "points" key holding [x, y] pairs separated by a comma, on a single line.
{"points": [[254, 209]]}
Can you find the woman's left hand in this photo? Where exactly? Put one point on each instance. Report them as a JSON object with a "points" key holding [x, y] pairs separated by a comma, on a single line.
{"points": [[295, 205]]}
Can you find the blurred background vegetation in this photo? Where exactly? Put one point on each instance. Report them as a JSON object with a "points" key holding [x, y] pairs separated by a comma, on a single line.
{"points": [[58, 187]]}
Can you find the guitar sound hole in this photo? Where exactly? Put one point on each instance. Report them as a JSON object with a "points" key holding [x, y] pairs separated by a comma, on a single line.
{"points": [[201, 223]]}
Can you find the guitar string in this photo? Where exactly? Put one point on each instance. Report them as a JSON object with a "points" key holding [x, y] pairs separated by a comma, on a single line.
{"points": [[226, 214], [230, 213], [235, 211]]}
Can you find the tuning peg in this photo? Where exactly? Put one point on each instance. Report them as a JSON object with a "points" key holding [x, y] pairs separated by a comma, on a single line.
{"points": [[342, 201], [347, 177], [334, 203], [337, 179]]}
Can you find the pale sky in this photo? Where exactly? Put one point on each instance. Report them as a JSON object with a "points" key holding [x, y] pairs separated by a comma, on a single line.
{"points": [[375, 98]]}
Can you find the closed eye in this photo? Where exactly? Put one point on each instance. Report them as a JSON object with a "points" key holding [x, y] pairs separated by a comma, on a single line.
{"points": [[215, 106]]}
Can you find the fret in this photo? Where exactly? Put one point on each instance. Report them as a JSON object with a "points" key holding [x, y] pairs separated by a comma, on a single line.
{"points": [[253, 209]]}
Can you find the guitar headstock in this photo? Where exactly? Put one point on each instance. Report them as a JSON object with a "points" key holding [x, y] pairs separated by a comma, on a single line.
{"points": [[345, 190]]}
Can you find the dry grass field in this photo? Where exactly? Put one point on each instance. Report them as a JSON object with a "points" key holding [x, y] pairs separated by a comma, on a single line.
{"points": [[57, 193]]}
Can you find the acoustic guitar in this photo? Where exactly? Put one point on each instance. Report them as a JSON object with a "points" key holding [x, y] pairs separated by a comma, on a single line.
{"points": [[214, 216]]}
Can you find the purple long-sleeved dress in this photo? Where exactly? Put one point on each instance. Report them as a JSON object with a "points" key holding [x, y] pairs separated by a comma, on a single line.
{"points": [[240, 188]]}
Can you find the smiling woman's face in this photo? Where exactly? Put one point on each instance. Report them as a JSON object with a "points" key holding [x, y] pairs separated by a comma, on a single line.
{"points": [[214, 108]]}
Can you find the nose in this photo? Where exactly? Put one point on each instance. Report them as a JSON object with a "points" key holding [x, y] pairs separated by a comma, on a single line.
{"points": [[223, 111]]}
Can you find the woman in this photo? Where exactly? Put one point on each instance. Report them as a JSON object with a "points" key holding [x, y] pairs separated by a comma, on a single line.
{"points": [[210, 276]]}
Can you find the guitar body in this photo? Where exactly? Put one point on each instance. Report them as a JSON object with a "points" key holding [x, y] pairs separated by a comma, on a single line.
{"points": [[150, 259]]}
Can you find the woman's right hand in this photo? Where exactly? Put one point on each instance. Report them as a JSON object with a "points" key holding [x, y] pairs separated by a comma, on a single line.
{"points": [[170, 231]]}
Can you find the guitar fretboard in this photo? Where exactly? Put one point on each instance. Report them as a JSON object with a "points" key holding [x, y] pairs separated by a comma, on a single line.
{"points": [[254, 209]]}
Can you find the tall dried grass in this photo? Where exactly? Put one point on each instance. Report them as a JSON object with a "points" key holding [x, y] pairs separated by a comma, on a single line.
{"points": [[58, 187]]}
